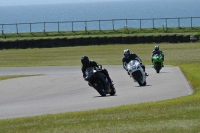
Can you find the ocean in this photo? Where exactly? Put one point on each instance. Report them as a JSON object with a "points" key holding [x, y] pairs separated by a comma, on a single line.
{"points": [[60, 16]]}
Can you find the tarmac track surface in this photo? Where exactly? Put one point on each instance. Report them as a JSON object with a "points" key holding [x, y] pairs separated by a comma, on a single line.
{"points": [[62, 89]]}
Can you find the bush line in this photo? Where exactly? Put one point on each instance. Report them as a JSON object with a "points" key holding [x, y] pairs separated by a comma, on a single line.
{"points": [[83, 41]]}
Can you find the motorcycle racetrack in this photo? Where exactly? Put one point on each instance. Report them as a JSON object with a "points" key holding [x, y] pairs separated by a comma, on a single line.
{"points": [[62, 89]]}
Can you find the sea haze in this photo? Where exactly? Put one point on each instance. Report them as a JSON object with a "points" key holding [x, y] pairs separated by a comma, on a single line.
{"points": [[128, 9]]}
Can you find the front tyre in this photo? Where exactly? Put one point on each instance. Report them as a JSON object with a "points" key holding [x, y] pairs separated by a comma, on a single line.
{"points": [[158, 67], [99, 87], [157, 71], [145, 83], [113, 91], [139, 78]]}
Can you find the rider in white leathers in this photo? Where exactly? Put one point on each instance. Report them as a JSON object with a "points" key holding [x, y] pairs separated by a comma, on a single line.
{"points": [[128, 56]]}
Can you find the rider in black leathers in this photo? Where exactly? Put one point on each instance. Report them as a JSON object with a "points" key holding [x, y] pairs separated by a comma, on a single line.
{"points": [[128, 56], [90, 63], [157, 51]]}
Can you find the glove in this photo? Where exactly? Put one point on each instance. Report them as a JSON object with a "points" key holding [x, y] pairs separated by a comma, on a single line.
{"points": [[100, 66]]}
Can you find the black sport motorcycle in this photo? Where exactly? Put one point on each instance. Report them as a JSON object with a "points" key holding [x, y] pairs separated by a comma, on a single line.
{"points": [[99, 81]]}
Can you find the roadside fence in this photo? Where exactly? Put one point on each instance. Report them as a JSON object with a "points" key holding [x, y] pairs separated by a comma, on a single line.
{"points": [[100, 25]]}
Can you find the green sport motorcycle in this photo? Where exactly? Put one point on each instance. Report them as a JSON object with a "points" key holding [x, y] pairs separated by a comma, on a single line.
{"points": [[157, 62]]}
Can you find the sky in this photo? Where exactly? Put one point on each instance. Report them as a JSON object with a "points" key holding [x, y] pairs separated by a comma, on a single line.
{"points": [[31, 2]]}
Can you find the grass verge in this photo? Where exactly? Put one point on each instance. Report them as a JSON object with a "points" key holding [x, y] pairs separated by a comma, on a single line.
{"points": [[16, 76], [175, 115]]}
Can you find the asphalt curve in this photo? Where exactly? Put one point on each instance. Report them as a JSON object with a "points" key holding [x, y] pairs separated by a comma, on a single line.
{"points": [[62, 89]]}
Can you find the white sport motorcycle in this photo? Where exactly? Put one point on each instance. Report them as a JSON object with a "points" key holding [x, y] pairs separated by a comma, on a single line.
{"points": [[136, 71]]}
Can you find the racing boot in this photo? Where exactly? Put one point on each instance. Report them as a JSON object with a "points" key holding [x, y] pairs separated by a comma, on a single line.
{"points": [[145, 71], [162, 63], [146, 74], [152, 63]]}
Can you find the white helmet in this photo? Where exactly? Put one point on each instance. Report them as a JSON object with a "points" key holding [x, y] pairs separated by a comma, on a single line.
{"points": [[127, 53]]}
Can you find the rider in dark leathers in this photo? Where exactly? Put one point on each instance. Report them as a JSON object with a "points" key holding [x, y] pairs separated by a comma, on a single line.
{"points": [[157, 51], [128, 56], [90, 63]]}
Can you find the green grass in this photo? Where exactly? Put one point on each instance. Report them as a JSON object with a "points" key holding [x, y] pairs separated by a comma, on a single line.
{"points": [[17, 76], [180, 115], [176, 54]]}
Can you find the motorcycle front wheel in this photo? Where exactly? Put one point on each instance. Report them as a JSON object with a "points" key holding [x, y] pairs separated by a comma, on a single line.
{"points": [[99, 87], [138, 76], [158, 67], [113, 91]]}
